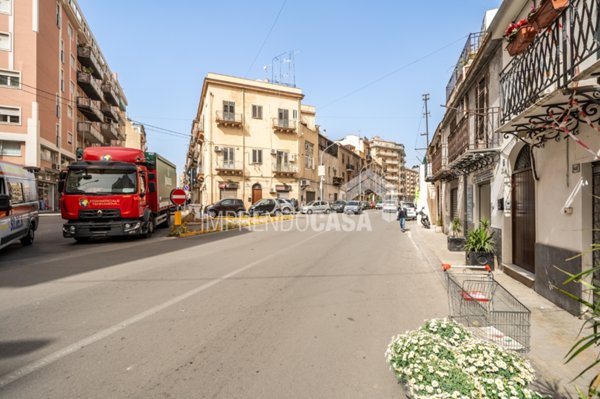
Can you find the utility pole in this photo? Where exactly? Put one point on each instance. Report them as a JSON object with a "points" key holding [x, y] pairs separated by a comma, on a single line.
{"points": [[426, 134]]}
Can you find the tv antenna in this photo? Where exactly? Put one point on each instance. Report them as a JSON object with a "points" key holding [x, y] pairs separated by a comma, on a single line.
{"points": [[283, 69]]}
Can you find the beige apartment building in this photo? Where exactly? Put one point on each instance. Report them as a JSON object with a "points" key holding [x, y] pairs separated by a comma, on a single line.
{"points": [[135, 135], [391, 156], [411, 183], [252, 140], [57, 92]]}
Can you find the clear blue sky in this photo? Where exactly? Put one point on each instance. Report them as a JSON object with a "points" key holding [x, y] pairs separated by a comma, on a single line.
{"points": [[364, 65]]}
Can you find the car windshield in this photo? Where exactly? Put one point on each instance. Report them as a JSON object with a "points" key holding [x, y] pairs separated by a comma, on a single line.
{"points": [[409, 205], [261, 202], [353, 203], [101, 182], [311, 203], [340, 202]]}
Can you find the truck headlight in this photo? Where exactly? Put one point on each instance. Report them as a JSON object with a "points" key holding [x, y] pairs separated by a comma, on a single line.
{"points": [[72, 229]]}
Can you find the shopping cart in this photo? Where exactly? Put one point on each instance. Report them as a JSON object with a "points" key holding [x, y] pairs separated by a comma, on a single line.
{"points": [[486, 308]]}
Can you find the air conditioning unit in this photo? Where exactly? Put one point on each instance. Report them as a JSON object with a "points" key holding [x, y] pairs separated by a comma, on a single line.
{"points": [[293, 158], [273, 152], [304, 182], [218, 149], [56, 166], [273, 190]]}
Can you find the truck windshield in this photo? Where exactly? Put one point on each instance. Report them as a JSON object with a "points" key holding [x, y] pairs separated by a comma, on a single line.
{"points": [[101, 182]]}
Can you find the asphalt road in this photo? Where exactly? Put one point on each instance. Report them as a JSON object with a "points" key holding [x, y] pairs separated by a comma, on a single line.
{"points": [[302, 309]]}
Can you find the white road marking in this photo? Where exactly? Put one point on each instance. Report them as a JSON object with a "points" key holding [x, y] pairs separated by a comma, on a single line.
{"points": [[53, 357]]}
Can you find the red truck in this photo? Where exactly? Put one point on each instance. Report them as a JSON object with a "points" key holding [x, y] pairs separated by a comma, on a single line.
{"points": [[116, 191]]}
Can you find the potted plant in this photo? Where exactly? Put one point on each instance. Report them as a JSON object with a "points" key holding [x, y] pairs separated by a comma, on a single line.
{"points": [[543, 16], [455, 242], [519, 36], [480, 245]]}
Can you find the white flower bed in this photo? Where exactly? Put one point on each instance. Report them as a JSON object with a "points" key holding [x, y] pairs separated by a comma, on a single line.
{"points": [[443, 360]]}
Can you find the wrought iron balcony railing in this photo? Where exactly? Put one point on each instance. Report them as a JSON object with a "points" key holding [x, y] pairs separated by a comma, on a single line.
{"points": [[554, 59], [468, 53], [284, 168], [229, 119]]}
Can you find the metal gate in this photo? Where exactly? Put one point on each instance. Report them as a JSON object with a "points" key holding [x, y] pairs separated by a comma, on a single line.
{"points": [[596, 223], [523, 212]]}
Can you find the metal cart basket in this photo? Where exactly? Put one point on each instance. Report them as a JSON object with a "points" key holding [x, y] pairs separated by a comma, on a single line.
{"points": [[486, 308]]}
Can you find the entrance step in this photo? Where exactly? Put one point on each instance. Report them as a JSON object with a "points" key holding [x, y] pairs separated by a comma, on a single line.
{"points": [[518, 273]]}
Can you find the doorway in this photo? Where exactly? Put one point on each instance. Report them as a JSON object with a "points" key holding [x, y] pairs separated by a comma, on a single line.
{"points": [[256, 193], [523, 212], [484, 199]]}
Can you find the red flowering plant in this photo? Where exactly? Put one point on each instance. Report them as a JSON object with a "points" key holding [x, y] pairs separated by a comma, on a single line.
{"points": [[513, 28]]}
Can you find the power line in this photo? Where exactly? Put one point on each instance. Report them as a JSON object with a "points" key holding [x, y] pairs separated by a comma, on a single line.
{"points": [[266, 38], [387, 75]]}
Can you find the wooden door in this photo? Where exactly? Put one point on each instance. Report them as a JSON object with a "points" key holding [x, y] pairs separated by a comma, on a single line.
{"points": [[523, 212], [256, 193]]}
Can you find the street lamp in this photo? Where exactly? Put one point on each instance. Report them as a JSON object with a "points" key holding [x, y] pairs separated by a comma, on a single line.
{"points": [[322, 167]]}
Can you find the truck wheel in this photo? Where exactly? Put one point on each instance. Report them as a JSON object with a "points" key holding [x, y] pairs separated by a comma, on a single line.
{"points": [[28, 239], [150, 227]]}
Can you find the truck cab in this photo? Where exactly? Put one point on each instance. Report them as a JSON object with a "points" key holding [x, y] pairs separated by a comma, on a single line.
{"points": [[111, 192]]}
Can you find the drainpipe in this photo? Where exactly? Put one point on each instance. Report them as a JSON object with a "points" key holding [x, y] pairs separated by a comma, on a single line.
{"points": [[465, 222], [243, 145]]}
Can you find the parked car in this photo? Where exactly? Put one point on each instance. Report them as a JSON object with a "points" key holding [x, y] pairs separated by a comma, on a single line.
{"points": [[411, 210], [353, 207], [227, 207], [271, 206], [316, 207], [379, 205], [18, 205], [338, 206], [364, 205], [390, 206]]}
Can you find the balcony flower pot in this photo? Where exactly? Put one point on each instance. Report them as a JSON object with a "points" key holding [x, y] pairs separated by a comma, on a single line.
{"points": [[521, 39], [547, 13]]}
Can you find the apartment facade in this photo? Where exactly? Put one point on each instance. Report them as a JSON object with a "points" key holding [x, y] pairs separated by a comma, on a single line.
{"points": [[57, 92], [391, 157], [251, 140], [135, 135], [411, 184], [538, 179]]}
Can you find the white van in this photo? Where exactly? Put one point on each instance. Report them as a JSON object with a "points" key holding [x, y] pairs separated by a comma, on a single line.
{"points": [[18, 205]]}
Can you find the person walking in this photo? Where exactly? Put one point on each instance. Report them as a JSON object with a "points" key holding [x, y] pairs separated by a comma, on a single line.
{"points": [[401, 216]]}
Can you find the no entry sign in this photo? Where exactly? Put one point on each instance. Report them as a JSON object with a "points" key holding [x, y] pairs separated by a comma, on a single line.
{"points": [[178, 196]]}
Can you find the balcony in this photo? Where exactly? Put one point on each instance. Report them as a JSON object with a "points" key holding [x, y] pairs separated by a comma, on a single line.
{"points": [[285, 169], [110, 111], [473, 146], [229, 119], [230, 168], [350, 168], [90, 109], [464, 61], [88, 59], [337, 180], [284, 125], [90, 131], [89, 85], [542, 81], [110, 95], [110, 131]]}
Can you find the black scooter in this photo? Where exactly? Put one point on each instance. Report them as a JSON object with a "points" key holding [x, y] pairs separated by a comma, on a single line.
{"points": [[424, 219]]}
